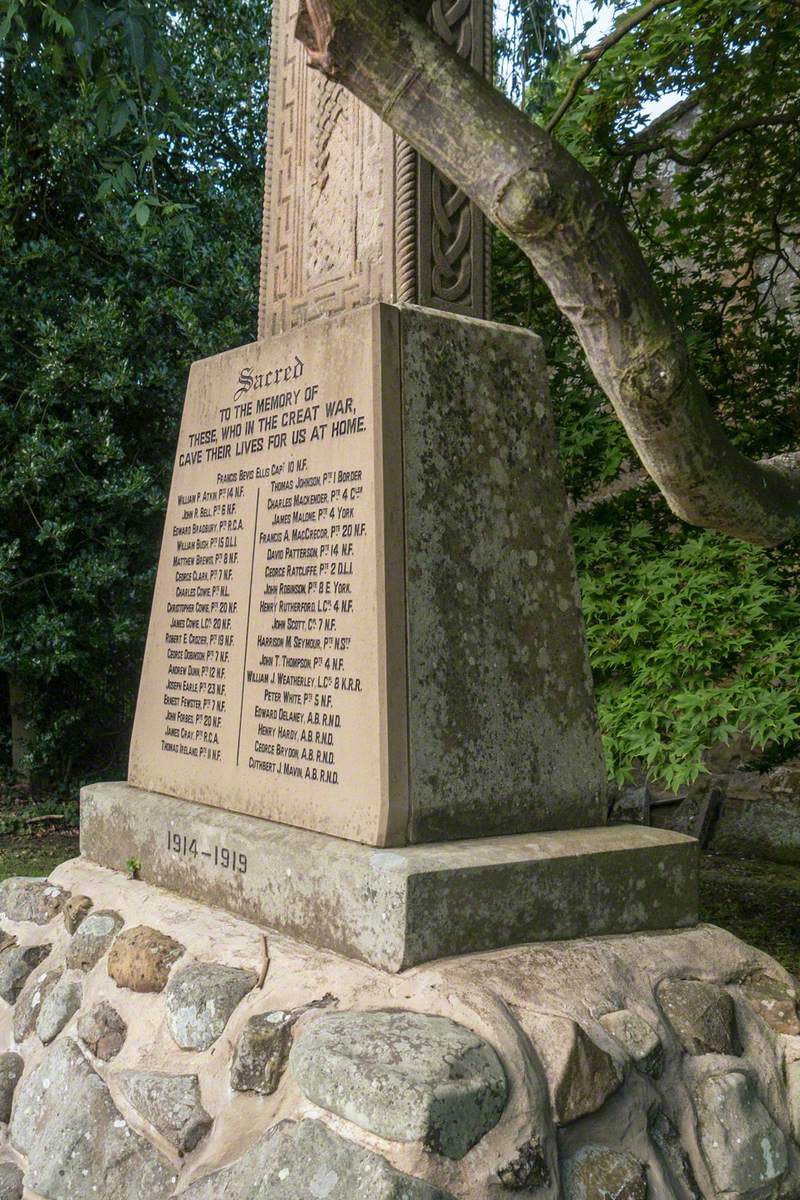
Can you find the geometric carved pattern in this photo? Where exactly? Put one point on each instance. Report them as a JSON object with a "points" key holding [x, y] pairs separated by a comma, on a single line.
{"points": [[351, 213]]}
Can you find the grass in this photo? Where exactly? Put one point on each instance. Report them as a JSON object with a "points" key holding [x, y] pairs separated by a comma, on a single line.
{"points": [[21, 854], [758, 901]]}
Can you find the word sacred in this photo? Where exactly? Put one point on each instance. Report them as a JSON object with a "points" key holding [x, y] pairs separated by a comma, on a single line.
{"points": [[248, 381]]}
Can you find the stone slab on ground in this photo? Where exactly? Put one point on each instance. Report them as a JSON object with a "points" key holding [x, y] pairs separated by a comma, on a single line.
{"points": [[396, 908], [493, 995]]}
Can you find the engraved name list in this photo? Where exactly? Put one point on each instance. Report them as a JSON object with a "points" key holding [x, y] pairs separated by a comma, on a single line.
{"points": [[260, 688]]}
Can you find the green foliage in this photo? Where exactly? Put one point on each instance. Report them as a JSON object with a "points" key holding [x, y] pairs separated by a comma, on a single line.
{"points": [[102, 310], [692, 636]]}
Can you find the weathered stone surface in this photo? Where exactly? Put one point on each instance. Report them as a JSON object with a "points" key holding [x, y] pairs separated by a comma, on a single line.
{"points": [[10, 1182], [479, 758], [639, 1039], [528, 1170], [6, 940], [599, 1173], [171, 1103], [580, 1075], [427, 901], [677, 1162], [103, 1031], [701, 1014], [11, 1067], [78, 1145], [403, 1075], [304, 1160], [142, 958], [744, 1149], [31, 998], [262, 1052], [37, 900], [791, 1074], [76, 910], [16, 965], [200, 999], [773, 1000], [60, 1004], [93, 938]]}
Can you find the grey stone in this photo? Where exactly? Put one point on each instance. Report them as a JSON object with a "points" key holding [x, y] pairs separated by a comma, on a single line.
{"points": [[262, 1052], [426, 901], [638, 1038], [774, 1001], [93, 938], [791, 1071], [525, 753], [171, 1103], [701, 1014], [677, 1162], [11, 1067], [10, 1182], [200, 1000], [580, 1075], [142, 958], [26, 899], [31, 998], [599, 1173], [78, 1144], [7, 940], [405, 1076], [631, 806], [59, 1006], [528, 1170], [754, 824], [744, 1150], [16, 964], [304, 1160], [76, 910], [103, 1031]]}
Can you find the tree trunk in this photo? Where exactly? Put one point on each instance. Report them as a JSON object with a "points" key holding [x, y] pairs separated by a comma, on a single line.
{"points": [[577, 241]]}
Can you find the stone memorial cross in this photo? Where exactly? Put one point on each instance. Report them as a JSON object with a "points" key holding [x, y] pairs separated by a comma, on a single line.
{"points": [[366, 629]]}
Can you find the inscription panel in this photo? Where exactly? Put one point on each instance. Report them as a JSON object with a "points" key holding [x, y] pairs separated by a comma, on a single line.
{"points": [[265, 686]]}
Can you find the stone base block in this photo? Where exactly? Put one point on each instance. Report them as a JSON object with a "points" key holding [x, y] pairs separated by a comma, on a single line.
{"points": [[397, 908]]}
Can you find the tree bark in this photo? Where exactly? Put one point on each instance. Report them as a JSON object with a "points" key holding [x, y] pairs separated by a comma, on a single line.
{"points": [[576, 239]]}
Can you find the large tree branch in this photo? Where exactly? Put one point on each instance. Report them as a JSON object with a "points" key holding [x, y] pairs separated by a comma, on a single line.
{"points": [[577, 241]]}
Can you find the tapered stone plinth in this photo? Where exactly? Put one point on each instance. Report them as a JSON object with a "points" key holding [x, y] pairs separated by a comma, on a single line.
{"points": [[366, 619]]}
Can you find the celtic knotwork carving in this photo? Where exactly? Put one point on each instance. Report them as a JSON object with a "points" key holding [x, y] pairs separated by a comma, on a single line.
{"points": [[450, 241], [453, 23], [351, 213], [451, 265]]}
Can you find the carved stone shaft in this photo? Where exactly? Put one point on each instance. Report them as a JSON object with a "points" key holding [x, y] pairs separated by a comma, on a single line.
{"points": [[351, 213]]}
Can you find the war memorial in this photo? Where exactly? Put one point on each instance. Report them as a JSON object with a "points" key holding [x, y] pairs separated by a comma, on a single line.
{"points": [[355, 925]]}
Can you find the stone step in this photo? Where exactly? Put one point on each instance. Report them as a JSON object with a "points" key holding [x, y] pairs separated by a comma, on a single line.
{"points": [[397, 908]]}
